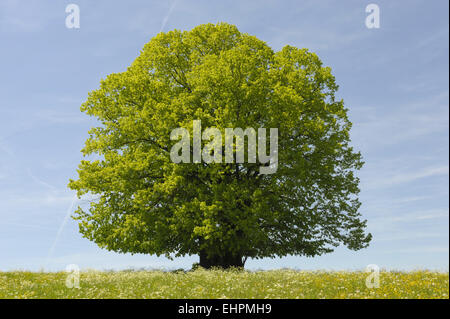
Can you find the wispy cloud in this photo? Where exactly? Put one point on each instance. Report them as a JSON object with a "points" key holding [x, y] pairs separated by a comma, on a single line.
{"points": [[17, 16], [418, 250], [61, 117], [409, 236], [412, 176], [376, 127], [24, 225], [40, 181], [5, 148], [390, 223], [384, 179]]}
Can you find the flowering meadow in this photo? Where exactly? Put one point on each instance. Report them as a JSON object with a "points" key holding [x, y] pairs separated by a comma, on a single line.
{"points": [[223, 284]]}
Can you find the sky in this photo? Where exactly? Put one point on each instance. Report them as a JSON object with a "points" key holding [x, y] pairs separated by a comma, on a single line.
{"points": [[393, 79]]}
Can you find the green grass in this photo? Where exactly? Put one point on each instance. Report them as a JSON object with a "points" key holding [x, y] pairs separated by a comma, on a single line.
{"points": [[224, 284]]}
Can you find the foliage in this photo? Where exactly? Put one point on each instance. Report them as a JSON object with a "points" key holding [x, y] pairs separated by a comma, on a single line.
{"points": [[227, 79]]}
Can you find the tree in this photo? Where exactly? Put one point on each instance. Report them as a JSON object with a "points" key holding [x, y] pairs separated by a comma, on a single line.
{"points": [[224, 212]]}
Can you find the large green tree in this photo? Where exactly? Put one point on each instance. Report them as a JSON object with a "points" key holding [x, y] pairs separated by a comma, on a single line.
{"points": [[224, 212]]}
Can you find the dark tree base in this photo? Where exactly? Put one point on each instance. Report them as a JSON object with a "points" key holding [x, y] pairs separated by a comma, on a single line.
{"points": [[224, 262]]}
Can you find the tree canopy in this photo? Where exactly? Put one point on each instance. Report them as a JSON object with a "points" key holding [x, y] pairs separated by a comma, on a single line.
{"points": [[224, 212]]}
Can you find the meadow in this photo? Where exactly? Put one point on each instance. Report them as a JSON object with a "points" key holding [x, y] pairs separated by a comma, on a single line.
{"points": [[223, 284]]}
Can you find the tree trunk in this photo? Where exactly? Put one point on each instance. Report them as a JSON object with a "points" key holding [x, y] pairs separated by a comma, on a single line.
{"points": [[225, 261]]}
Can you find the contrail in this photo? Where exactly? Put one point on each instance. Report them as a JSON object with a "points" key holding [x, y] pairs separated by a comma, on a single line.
{"points": [[166, 18], [61, 227]]}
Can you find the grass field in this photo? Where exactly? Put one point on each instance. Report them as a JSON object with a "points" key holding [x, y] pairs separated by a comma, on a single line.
{"points": [[224, 284]]}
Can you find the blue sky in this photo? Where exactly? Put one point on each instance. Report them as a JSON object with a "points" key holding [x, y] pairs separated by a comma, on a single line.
{"points": [[394, 80]]}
